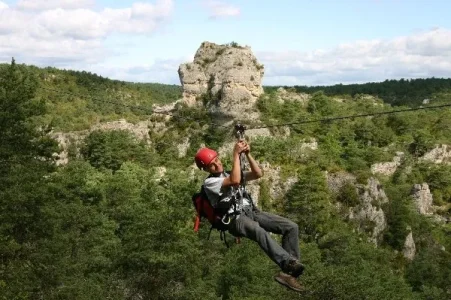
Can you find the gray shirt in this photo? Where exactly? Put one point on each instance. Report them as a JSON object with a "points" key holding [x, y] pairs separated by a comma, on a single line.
{"points": [[217, 193]]}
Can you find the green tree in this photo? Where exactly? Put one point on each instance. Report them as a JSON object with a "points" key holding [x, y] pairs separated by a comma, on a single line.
{"points": [[422, 142], [25, 162], [111, 149], [307, 202]]}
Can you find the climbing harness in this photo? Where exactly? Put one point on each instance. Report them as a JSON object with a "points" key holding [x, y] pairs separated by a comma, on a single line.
{"points": [[220, 216]]}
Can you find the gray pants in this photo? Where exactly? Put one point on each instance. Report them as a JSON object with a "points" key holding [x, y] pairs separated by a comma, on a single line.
{"points": [[256, 226]]}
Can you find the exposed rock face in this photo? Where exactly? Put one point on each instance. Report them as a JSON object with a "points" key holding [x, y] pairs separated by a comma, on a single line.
{"points": [[438, 155], [422, 198], [388, 168], [335, 181], [139, 130], [368, 213], [228, 75], [312, 144], [287, 95], [277, 187], [183, 147], [64, 141], [159, 173], [409, 247]]}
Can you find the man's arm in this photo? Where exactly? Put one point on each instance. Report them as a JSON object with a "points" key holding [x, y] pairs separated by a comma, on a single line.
{"points": [[256, 172], [235, 174]]}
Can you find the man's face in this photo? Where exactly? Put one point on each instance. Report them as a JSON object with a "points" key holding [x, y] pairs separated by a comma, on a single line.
{"points": [[215, 166]]}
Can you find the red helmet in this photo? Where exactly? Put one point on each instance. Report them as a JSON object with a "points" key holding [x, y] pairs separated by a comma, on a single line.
{"points": [[204, 156]]}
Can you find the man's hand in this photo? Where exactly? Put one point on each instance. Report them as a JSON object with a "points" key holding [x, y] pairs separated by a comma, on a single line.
{"points": [[247, 148], [240, 146]]}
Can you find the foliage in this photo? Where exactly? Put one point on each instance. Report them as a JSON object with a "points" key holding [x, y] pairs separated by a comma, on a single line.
{"points": [[25, 160], [399, 216], [111, 149], [307, 202], [116, 222], [77, 99], [396, 92], [348, 195]]}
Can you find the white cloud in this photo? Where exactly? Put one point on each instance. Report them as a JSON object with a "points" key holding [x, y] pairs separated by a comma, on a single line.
{"points": [[419, 55], [3, 5], [218, 9], [161, 70], [72, 34], [423, 54], [53, 4], [66, 31]]}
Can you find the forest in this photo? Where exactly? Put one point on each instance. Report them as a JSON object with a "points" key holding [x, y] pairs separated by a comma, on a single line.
{"points": [[116, 221], [410, 92]]}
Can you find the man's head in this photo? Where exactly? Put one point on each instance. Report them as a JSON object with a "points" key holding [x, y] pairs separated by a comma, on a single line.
{"points": [[207, 160]]}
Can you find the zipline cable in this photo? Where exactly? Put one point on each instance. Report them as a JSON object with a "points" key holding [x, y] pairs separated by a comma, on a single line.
{"points": [[146, 110], [353, 116], [324, 120]]}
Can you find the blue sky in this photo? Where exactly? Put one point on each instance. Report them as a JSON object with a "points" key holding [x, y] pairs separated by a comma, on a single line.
{"points": [[299, 42]]}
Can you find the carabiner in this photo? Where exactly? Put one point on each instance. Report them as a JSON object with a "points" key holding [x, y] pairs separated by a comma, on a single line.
{"points": [[224, 221]]}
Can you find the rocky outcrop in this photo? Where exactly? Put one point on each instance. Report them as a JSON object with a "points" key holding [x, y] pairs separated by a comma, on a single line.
{"points": [[277, 186], [183, 147], [65, 140], [335, 181], [422, 198], [388, 168], [440, 154], [409, 249], [140, 130], [159, 173], [284, 95], [227, 77], [369, 214]]}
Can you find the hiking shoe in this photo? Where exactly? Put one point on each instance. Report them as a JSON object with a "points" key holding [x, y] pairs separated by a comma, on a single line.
{"points": [[294, 268], [289, 281]]}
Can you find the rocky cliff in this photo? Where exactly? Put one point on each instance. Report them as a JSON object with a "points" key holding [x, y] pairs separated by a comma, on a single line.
{"points": [[225, 78]]}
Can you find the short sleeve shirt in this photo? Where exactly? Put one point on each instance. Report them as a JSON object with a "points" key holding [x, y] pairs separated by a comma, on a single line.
{"points": [[216, 192]]}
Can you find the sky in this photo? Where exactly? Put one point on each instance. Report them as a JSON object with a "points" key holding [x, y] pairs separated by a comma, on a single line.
{"points": [[303, 42]]}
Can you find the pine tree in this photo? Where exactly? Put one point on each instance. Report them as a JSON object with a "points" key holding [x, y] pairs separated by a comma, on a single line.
{"points": [[25, 159]]}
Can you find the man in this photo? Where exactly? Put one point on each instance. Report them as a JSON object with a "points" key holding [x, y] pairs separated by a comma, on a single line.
{"points": [[245, 220]]}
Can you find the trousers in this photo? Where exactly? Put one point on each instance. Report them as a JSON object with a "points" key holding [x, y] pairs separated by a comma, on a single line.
{"points": [[256, 225]]}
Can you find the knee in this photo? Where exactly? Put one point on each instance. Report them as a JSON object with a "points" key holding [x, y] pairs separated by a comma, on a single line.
{"points": [[260, 232], [294, 228]]}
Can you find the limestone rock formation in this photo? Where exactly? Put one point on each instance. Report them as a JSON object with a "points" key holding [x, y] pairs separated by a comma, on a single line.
{"points": [[440, 154], [423, 198], [388, 168], [140, 130], [227, 77], [284, 95], [369, 213], [335, 181], [409, 249], [65, 140]]}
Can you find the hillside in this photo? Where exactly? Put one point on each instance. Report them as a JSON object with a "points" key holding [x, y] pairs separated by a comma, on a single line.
{"points": [[371, 196], [411, 92], [75, 100]]}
